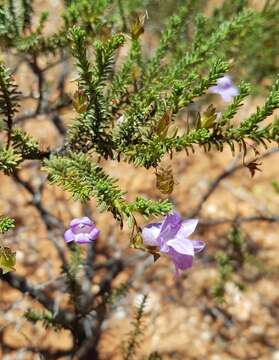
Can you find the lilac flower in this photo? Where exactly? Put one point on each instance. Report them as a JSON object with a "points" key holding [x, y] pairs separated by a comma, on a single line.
{"points": [[81, 231], [171, 237], [225, 88]]}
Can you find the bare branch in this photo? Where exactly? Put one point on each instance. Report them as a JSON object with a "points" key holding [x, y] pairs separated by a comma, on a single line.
{"points": [[49, 220], [229, 170], [239, 220]]}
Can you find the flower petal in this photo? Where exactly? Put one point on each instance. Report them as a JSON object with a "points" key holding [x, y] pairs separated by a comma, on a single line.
{"points": [[229, 94], [182, 246], [199, 245], [170, 226], [69, 236], [81, 228], [164, 248], [214, 89], [181, 262], [187, 228], [82, 239], [94, 234], [225, 82], [78, 221], [150, 234]]}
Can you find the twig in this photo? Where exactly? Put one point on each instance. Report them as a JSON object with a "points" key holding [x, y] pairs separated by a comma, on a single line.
{"points": [[44, 353], [239, 220], [55, 63], [58, 123], [56, 119], [47, 110], [231, 169], [41, 79], [49, 220], [18, 282], [121, 11]]}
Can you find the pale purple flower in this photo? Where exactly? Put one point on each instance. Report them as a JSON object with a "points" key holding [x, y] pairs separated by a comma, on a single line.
{"points": [[225, 88], [171, 237], [81, 231]]}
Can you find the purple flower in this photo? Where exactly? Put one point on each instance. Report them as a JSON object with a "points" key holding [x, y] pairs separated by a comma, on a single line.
{"points": [[171, 237], [81, 231], [225, 88]]}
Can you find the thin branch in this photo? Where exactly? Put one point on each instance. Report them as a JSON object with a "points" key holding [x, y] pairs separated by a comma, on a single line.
{"points": [[58, 123], [49, 220], [47, 110], [122, 14], [239, 220], [44, 353], [55, 63], [229, 170], [18, 282], [41, 79]]}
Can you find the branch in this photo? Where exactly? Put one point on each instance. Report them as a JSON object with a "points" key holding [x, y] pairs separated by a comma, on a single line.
{"points": [[239, 220], [46, 110], [44, 353], [231, 169], [62, 317], [49, 220], [41, 79], [18, 282]]}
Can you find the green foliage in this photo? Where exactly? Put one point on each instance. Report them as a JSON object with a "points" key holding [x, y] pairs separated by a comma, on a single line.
{"points": [[104, 59], [275, 185], [19, 146], [9, 160], [47, 318], [135, 138], [144, 90], [260, 41], [152, 92], [225, 271], [7, 256], [231, 110], [118, 293], [87, 14], [90, 127], [171, 31], [24, 144], [23, 147], [236, 262], [150, 208], [250, 126], [230, 263], [7, 259], [65, 171], [125, 76], [71, 272], [6, 224], [131, 345], [27, 10], [75, 260], [9, 97]]}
